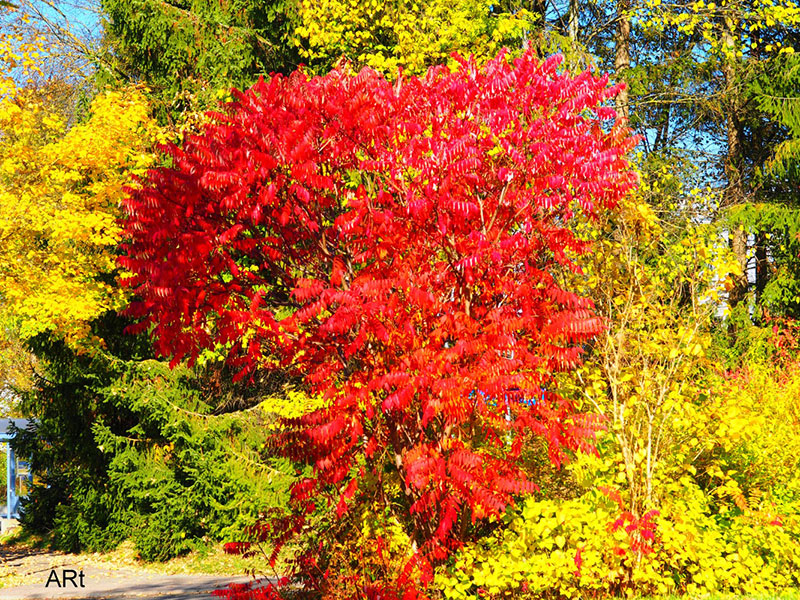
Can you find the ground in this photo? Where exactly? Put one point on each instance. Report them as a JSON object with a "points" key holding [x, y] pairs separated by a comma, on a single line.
{"points": [[24, 573]]}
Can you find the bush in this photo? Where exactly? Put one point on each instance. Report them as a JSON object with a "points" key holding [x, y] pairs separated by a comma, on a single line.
{"points": [[189, 475], [727, 495], [552, 549]]}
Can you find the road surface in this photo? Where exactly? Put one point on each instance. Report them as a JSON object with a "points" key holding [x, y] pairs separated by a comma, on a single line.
{"points": [[37, 574]]}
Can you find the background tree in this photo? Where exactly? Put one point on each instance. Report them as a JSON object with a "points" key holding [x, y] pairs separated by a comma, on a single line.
{"points": [[189, 52], [59, 193], [740, 41], [407, 35], [773, 217]]}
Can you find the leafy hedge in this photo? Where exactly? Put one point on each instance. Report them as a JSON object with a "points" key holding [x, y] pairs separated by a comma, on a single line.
{"points": [[560, 549]]}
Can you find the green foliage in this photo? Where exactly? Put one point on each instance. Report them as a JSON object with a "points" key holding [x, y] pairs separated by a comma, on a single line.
{"points": [[776, 91], [92, 517], [126, 447], [778, 225], [189, 51], [188, 474], [62, 449]]}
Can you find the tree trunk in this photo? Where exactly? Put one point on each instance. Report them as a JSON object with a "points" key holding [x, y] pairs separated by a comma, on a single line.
{"points": [[622, 57], [762, 264], [738, 241], [735, 192], [574, 9]]}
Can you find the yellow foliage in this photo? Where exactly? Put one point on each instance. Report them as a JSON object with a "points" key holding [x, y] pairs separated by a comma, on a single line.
{"points": [[538, 552], [729, 514], [292, 405], [16, 366], [60, 194], [658, 287], [716, 455], [412, 35], [19, 55], [730, 28]]}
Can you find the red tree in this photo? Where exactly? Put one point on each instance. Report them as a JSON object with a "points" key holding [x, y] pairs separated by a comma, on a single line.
{"points": [[397, 248]]}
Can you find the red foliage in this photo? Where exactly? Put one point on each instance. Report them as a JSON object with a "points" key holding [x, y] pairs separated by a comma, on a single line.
{"points": [[246, 591], [785, 339], [397, 247], [641, 530]]}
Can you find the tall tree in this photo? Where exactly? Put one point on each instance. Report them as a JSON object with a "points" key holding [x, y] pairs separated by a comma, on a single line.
{"points": [[622, 55], [736, 40]]}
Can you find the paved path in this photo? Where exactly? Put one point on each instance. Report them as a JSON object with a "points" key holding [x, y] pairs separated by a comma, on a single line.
{"points": [[99, 581]]}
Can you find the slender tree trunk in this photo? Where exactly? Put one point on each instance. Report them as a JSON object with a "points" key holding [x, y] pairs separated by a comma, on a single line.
{"points": [[738, 241], [735, 192], [622, 57], [762, 264], [539, 8], [574, 9]]}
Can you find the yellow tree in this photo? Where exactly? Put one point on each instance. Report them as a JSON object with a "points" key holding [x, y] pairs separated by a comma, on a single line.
{"points": [[59, 197], [18, 52], [659, 286], [60, 189], [408, 34]]}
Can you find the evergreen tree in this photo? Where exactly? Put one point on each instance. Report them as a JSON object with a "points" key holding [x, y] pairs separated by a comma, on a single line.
{"points": [[125, 447], [188, 51]]}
